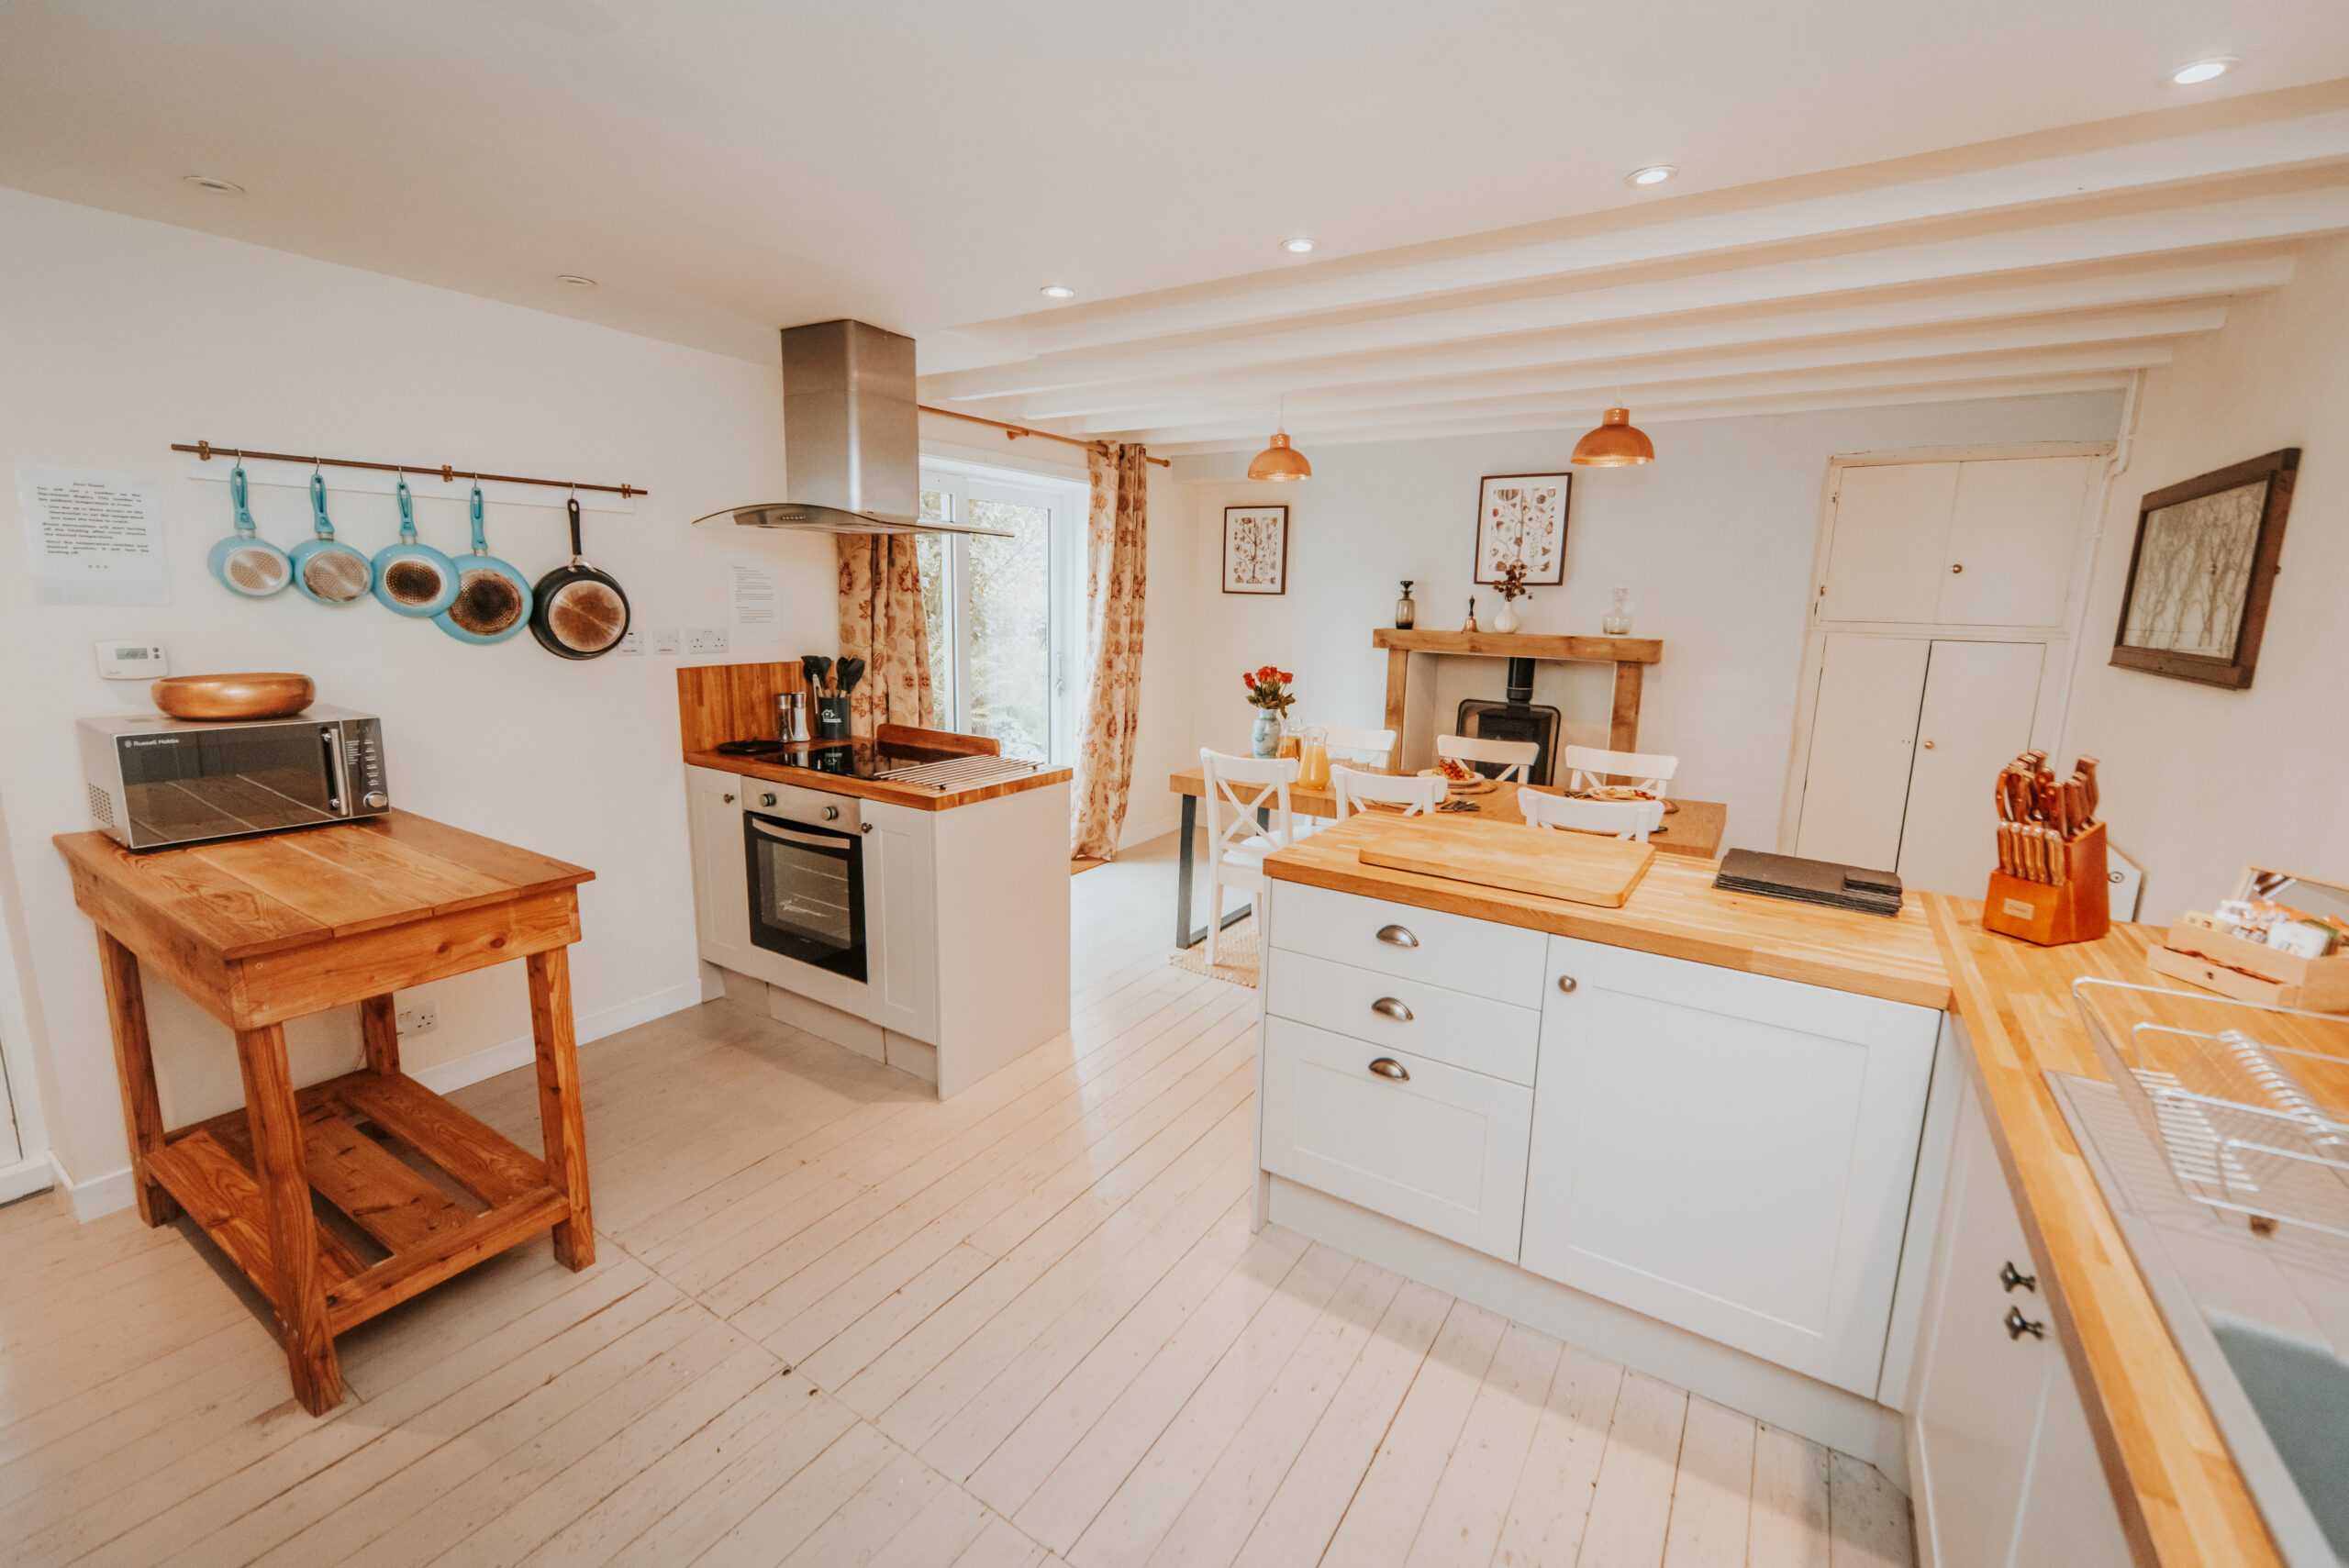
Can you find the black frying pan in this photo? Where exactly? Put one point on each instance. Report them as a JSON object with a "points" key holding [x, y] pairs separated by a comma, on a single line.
{"points": [[577, 611]]}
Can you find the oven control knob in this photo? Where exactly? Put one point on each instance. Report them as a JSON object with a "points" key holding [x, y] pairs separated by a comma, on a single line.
{"points": [[766, 800], [375, 800], [831, 814]]}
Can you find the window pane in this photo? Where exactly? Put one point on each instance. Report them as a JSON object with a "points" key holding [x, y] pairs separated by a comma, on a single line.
{"points": [[1008, 620], [929, 553]]}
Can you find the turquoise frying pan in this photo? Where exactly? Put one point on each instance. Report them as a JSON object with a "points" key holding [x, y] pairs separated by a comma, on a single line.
{"points": [[492, 600], [413, 578], [245, 562], [325, 568]]}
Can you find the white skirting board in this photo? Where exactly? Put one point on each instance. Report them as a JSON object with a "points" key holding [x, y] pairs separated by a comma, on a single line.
{"points": [[1731, 1378], [107, 1191], [27, 1177]]}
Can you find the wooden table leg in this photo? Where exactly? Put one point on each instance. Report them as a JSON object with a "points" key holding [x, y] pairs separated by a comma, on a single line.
{"points": [[284, 1178], [560, 1117], [134, 1064], [379, 1028]]}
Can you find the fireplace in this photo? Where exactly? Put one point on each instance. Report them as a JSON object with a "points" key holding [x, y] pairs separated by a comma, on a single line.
{"points": [[1516, 718]]}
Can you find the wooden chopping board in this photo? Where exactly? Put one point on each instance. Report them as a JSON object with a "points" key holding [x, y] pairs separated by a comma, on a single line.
{"points": [[1580, 867]]}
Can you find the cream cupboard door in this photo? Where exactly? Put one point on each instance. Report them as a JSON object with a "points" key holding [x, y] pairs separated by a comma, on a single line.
{"points": [[1728, 1152], [2007, 559], [721, 873], [1977, 715], [1862, 747], [1887, 541]]}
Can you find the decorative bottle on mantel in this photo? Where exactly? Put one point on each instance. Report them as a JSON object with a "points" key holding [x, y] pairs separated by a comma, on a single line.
{"points": [[1407, 614], [1619, 620]]}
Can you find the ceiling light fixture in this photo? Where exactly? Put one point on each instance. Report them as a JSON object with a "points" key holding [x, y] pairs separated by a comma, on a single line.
{"points": [[1654, 174], [1297, 247], [574, 280], [2203, 70], [215, 184], [1280, 461], [1057, 291]]}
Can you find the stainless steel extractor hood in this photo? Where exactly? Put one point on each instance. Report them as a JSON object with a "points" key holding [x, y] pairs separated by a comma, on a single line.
{"points": [[851, 437]]}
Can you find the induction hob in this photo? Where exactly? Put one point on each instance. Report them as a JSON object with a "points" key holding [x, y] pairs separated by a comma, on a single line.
{"points": [[842, 759]]}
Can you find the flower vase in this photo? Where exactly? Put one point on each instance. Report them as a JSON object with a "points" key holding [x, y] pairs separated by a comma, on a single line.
{"points": [[1264, 740], [1505, 618]]}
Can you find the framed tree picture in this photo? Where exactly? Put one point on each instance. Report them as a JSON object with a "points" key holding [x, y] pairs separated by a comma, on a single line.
{"points": [[2200, 572], [1256, 549], [1522, 519]]}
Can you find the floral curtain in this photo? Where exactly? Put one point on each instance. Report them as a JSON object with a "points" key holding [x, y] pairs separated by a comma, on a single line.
{"points": [[882, 623], [1114, 581]]}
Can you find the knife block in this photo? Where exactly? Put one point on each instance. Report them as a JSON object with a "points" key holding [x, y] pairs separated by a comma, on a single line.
{"points": [[2078, 909]]}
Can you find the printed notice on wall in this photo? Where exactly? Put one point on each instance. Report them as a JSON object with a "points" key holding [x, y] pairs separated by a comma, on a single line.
{"points": [[757, 597], [93, 537]]}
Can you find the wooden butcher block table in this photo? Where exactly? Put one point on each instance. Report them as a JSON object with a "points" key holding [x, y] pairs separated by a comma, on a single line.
{"points": [[260, 930]]}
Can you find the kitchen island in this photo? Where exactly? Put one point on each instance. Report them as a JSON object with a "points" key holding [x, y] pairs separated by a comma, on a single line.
{"points": [[1761, 1149]]}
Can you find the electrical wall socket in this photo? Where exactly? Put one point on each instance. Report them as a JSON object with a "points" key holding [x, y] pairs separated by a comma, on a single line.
{"points": [[633, 642], [421, 1016], [707, 640], [665, 641]]}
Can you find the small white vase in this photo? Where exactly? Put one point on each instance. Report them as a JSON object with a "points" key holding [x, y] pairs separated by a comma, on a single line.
{"points": [[1505, 618]]}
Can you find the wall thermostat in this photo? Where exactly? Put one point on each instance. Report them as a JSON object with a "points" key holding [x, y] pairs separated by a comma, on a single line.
{"points": [[131, 661]]}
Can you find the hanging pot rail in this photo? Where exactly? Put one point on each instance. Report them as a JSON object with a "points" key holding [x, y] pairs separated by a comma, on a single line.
{"points": [[1013, 432], [207, 452]]}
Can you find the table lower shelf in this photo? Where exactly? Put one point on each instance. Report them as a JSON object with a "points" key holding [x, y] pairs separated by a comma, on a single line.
{"points": [[426, 1233]]}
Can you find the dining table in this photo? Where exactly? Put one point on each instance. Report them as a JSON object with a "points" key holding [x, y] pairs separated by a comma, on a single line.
{"points": [[1691, 827]]}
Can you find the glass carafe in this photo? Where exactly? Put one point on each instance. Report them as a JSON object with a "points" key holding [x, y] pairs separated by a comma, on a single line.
{"points": [[1619, 620], [1313, 759]]}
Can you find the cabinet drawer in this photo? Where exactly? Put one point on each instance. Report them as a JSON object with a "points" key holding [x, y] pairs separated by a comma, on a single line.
{"points": [[1392, 1012], [1503, 962], [1442, 1149]]}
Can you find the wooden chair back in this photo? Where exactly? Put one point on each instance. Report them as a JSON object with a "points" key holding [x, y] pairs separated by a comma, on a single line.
{"points": [[1416, 796], [1514, 757], [1633, 819], [1587, 768], [1229, 782]]}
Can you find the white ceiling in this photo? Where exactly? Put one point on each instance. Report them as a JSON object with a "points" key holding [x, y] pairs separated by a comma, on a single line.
{"points": [[1878, 203]]}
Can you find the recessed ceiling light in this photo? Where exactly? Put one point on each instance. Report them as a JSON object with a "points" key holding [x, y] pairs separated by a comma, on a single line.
{"points": [[2203, 70], [1057, 291], [574, 280], [215, 184], [1296, 246], [1654, 174]]}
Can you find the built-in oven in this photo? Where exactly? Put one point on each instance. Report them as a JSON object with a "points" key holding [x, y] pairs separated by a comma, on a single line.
{"points": [[804, 852]]}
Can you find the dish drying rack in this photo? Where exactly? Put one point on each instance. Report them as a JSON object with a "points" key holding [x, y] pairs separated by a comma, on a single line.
{"points": [[2245, 1102], [960, 772]]}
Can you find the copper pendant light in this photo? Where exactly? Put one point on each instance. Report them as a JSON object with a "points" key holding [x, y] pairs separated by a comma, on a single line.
{"points": [[1616, 443], [1280, 461]]}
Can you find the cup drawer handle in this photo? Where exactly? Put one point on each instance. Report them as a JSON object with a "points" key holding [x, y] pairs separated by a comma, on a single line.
{"points": [[1387, 1067], [1397, 936], [1389, 1007]]}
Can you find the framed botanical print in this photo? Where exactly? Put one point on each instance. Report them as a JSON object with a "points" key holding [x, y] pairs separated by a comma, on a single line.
{"points": [[1521, 520], [2200, 572], [1256, 549]]}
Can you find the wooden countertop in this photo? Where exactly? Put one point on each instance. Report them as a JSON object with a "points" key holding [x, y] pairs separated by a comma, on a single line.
{"points": [[886, 790], [1675, 911], [1693, 831], [243, 897], [2180, 1495]]}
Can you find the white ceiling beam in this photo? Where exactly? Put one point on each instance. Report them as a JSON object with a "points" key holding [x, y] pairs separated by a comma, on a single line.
{"points": [[2134, 326], [2267, 217], [2116, 360], [2188, 289], [1664, 233]]}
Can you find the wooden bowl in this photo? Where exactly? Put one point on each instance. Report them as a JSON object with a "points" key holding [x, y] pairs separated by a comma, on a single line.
{"points": [[256, 695]]}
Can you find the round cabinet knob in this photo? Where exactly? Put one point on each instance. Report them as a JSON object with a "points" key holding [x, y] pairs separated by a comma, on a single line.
{"points": [[2011, 1277], [831, 814], [375, 800], [1566, 983], [729, 799], [1955, 567], [766, 800], [1387, 1067], [1928, 745], [2017, 1325]]}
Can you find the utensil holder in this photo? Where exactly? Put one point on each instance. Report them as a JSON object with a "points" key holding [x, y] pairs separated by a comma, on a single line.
{"points": [[831, 718], [2078, 910]]}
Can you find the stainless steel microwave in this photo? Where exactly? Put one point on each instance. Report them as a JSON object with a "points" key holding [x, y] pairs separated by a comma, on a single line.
{"points": [[156, 782]]}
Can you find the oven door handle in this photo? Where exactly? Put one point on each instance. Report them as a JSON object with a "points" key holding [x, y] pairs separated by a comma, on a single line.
{"points": [[837, 846]]}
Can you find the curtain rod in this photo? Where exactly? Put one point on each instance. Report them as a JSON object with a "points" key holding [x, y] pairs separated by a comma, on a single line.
{"points": [[207, 452], [1013, 432]]}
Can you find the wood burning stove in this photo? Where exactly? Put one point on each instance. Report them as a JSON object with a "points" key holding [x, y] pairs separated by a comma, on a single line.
{"points": [[1516, 718]]}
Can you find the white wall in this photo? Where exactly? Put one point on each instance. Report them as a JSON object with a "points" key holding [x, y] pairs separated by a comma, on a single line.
{"points": [[2197, 781], [1714, 540], [125, 336]]}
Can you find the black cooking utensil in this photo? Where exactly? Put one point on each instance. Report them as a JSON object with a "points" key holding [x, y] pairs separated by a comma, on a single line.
{"points": [[819, 672], [850, 672], [578, 612]]}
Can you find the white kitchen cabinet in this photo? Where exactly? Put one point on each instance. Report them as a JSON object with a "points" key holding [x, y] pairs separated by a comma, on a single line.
{"points": [[2004, 1469], [1728, 1152], [721, 873], [1889, 529], [1420, 1140], [1975, 543]]}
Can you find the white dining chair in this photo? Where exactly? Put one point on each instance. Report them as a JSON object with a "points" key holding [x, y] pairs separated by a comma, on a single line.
{"points": [[1237, 789], [1374, 748], [1633, 819], [1514, 757], [1588, 767], [1354, 786]]}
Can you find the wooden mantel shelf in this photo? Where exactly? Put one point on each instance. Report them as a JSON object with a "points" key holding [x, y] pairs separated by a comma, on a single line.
{"points": [[1524, 645], [1629, 655]]}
